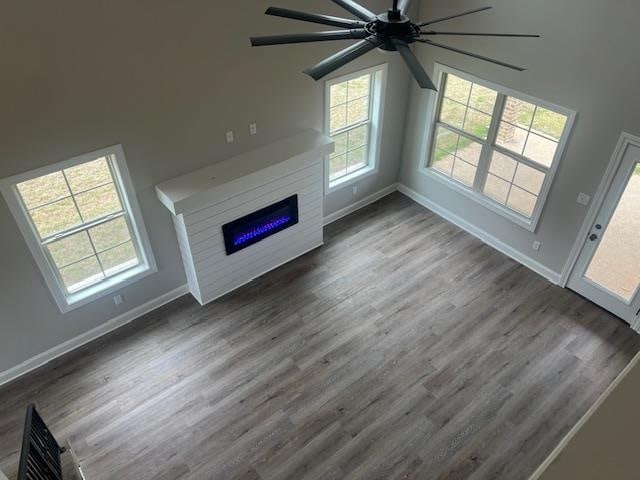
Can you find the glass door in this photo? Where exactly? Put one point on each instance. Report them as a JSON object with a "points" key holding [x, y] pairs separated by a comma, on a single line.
{"points": [[608, 269]]}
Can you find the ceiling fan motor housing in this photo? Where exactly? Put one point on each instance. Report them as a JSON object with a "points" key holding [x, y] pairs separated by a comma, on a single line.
{"points": [[387, 26]]}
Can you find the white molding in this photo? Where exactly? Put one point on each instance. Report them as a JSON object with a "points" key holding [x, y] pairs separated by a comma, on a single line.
{"points": [[377, 104], [360, 204], [478, 197], [428, 144], [552, 276], [45, 357], [122, 180], [584, 419], [626, 139]]}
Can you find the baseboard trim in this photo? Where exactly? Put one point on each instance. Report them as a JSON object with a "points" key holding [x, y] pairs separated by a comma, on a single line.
{"points": [[552, 276], [360, 204], [93, 334]]}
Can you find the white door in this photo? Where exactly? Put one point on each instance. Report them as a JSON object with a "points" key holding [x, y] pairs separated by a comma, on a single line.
{"points": [[608, 269]]}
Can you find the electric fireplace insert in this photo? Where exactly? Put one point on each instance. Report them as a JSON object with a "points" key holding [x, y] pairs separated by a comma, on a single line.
{"points": [[257, 226]]}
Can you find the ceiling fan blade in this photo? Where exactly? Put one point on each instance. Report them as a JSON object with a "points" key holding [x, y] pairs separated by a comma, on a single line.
{"points": [[356, 9], [309, 37], [404, 6], [343, 57], [480, 34], [442, 19], [475, 55], [314, 18], [414, 65]]}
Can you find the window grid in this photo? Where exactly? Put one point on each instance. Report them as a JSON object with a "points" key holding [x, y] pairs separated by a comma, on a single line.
{"points": [[455, 154], [85, 227], [490, 145], [348, 129]]}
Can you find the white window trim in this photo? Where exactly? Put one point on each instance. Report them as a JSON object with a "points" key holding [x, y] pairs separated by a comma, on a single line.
{"points": [[429, 145], [67, 302], [377, 102]]}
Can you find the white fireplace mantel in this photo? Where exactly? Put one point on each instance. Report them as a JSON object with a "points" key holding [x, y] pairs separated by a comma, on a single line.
{"points": [[203, 201], [209, 184]]}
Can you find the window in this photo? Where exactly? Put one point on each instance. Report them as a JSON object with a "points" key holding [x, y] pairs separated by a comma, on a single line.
{"points": [[81, 223], [499, 147], [353, 117]]}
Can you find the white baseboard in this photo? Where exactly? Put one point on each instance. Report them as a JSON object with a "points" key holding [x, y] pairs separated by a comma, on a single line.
{"points": [[127, 317], [360, 204], [552, 276], [113, 324]]}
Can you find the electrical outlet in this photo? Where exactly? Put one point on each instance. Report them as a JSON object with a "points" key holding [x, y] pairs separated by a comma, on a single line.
{"points": [[537, 245], [230, 137], [253, 129], [583, 199], [118, 300], [355, 189]]}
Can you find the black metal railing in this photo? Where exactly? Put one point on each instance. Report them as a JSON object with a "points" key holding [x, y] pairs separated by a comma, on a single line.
{"points": [[40, 457]]}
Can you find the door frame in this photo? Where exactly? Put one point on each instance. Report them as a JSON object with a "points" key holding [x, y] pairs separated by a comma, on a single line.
{"points": [[626, 140]]}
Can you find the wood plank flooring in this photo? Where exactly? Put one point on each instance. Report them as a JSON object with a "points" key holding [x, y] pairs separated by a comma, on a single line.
{"points": [[402, 349]]}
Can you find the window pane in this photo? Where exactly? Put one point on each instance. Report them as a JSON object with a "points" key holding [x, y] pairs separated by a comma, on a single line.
{"points": [[359, 87], [447, 140], [119, 258], [540, 149], [358, 137], [457, 89], [338, 94], [518, 112], [356, 159], [110, 234], [357, 110], [529, 179], [512, 138], [483, 99], [55, 218], [616, 262], [549, 123], [45, 189], [81, 274], [469, 151], [443, 161], [503, 166], [70, 249], [497, 188], [522, 201], [341, 144], [464, 172], [99, 202], [88, 175], [337, 167], [477, 123], [338, 118], [452, 113]]}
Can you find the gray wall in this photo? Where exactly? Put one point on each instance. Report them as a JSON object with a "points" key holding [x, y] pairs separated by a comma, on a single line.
{"points": [[605, 446], [166, 79], [586, 61]]}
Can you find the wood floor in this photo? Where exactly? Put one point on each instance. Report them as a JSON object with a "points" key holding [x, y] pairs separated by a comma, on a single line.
{"points": [[403, 349]]}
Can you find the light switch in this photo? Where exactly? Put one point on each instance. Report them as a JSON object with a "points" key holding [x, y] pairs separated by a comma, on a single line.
{"points": [[253, 129], [230, 137]]}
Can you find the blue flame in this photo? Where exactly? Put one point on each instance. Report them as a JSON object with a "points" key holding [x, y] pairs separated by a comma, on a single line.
{"points": [[260, 230]]}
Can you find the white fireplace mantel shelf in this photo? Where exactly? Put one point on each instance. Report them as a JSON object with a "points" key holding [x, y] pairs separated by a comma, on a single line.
{"points": [[207, 201], [214, 182]]}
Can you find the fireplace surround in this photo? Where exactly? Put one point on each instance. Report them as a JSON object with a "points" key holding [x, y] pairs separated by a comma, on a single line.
{"points": [[240, 218]]}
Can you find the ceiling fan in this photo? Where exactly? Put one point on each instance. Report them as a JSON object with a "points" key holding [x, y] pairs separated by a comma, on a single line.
{"points": [[390, 31]]}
